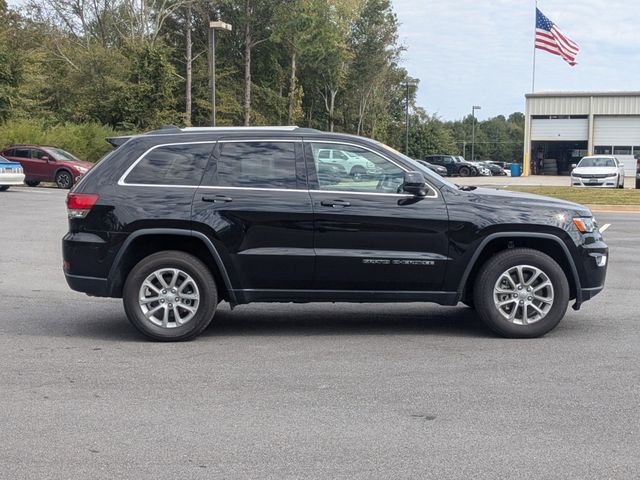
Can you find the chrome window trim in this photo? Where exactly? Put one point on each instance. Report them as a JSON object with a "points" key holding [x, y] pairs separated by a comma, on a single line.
{"points": [[259, 140], [338, 142], [122, 182], [221, 187]]}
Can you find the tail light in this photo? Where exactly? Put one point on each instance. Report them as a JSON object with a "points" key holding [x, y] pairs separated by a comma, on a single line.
{"points": [[638, 166], [80, 204]]}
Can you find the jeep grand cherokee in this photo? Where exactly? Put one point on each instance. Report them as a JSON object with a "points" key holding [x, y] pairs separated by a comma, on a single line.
{"points": [[177, 220]]}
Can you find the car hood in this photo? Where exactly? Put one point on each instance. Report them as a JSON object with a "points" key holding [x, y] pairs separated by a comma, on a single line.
{"points": [[507, 199], [594, 170]]}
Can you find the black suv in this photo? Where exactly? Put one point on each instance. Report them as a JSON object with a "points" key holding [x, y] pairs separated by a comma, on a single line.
{"points": [[455, 165], [175, 221]]}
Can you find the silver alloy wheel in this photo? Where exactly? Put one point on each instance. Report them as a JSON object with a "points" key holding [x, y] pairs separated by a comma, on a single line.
{"points": [[169, 298], [523, 294]]}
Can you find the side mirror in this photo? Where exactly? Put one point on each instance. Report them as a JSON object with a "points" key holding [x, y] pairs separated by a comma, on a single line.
{"points": [[574, 165], [45, 158], [414, 184], [621, 164]]}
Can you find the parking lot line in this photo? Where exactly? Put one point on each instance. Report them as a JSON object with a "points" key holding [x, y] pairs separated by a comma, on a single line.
{"points": [[604, 227]]}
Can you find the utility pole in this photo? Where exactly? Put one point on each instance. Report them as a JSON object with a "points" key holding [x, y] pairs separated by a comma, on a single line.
{"points": [[473, 130]]}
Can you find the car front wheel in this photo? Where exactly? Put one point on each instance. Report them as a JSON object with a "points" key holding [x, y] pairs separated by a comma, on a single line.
{"points": [[521, 293], [64, 179], [170, 296], [464, 172]]}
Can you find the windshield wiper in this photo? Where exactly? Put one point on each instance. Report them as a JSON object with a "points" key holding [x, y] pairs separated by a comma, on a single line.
{"points": [[465, 188]]}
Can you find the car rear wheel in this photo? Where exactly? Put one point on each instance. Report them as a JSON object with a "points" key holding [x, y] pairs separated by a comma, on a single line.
{"points": [[32, 183], [64, 179], [521, 293], [170, 296]]}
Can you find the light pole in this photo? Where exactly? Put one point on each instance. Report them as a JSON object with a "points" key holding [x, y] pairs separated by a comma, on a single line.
{"points": [[406, 139], [473, 130], [212, 40]]}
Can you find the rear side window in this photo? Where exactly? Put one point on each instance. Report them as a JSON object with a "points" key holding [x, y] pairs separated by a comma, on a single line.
{"points": [[172, 165], [257, 165], [21, 153]]}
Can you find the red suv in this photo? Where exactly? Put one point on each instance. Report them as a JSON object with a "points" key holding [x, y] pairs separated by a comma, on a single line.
{"points": [[47, 164]]}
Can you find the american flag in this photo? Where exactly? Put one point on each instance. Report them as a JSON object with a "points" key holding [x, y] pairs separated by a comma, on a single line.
{"points": [[550, 39]]}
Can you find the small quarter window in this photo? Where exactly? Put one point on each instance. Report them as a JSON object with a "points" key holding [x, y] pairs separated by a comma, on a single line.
{"points": [[172, 165], [257, 165]]}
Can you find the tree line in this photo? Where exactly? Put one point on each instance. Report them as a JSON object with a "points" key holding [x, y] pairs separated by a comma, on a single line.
{"points": [[135, 65]]}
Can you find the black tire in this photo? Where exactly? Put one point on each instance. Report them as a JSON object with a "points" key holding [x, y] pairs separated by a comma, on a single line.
{"points": [[358, 173], [32, 183], [620, 183], [188, 264], [464, 171], [64, 179], [488, 277], [4, 188]]}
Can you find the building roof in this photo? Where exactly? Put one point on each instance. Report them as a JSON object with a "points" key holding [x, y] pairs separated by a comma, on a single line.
{"points": [[583, 94]]}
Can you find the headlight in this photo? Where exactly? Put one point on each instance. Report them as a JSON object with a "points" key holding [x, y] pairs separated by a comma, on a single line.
{"points": [[82, 169], [585, 224]]}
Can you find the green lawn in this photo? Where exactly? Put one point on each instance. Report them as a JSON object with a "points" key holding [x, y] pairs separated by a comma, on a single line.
{"points": [[593, 196]]}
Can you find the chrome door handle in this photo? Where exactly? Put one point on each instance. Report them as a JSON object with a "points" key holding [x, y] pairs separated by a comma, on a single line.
{"points": [[335, 203], [216, 198]]}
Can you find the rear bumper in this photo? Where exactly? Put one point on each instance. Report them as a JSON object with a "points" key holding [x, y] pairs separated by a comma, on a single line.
{"points": [[87, 259], [93, 286], [11, 179]]}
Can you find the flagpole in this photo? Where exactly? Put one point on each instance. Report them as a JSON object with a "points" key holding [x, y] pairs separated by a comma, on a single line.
{"points": [[533, 76]]}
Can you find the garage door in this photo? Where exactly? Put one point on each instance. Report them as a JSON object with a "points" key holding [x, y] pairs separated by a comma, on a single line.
{"points": [[549, 129], [621, 135], [616, 131]]}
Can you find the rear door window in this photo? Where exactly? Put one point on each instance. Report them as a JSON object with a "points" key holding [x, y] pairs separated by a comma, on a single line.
{"points": [[169, 165], [257, 164], [21, 153]]}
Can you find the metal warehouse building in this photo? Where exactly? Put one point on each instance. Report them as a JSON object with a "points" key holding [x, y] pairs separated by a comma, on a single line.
{"points": [[562, 127]]}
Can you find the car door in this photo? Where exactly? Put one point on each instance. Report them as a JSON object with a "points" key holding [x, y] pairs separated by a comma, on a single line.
{"points": [[255, 207], [44, 165], [22, 155], [371, 236]]}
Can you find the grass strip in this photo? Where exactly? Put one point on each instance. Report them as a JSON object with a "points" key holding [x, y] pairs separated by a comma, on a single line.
{"points": [[592, 196]]}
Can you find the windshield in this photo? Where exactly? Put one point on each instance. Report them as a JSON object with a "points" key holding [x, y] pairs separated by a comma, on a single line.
{"points": [[60, 154], [597, 162], [418, 166]]}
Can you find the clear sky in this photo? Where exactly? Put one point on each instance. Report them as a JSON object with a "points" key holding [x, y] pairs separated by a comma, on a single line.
{"points": [[479, 52]]}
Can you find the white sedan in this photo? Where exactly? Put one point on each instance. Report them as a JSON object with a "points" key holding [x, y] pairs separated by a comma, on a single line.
{"points": [[11, 173], [598, 171]]}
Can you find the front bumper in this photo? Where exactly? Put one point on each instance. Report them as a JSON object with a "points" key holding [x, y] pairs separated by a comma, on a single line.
{"points": [[607, 182], [592, 262], [11, 179]]}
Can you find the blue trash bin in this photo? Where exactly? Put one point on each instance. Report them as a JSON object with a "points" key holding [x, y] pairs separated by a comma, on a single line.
{"points": [[516, 169]]}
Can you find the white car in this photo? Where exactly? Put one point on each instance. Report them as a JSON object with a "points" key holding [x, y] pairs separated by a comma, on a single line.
{"points": [[352, 164], [598, 171], [11, 173]]}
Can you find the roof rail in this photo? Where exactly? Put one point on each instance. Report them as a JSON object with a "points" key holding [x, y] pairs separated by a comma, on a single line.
{"points": [[288, 128]]}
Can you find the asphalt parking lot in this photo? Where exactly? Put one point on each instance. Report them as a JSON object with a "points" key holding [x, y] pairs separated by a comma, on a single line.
{"points": [[307, 391]]}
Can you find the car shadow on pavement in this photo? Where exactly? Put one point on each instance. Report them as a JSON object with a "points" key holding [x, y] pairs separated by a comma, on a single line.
{"points": [[273, 320], [346, 319]]}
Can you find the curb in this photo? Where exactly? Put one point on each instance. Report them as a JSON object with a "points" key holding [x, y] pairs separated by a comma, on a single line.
{"points": [[614, 208]]}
